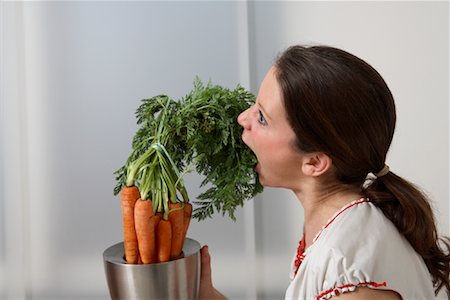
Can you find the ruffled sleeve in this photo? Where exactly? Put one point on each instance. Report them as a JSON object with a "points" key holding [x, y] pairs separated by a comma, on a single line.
{"points": [[339, 275]]}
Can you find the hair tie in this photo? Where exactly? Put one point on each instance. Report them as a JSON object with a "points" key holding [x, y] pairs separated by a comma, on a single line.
{"points": [[383, 171]]}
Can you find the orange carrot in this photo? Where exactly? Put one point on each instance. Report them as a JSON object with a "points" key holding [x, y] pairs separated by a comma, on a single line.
{"points": [[142, 212], [176, 219], [128, 197], [163, 240], [187, 218], [153, 224]]}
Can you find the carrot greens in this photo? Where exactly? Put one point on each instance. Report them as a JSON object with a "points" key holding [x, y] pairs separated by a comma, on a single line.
{"points": [[200, 132]]}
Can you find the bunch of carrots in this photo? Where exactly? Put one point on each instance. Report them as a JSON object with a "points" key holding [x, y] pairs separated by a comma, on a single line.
{"points": [[198, 131], [150, 237], [155, 221]]}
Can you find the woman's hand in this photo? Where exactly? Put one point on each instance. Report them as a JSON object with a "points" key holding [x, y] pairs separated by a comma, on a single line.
{"points": [[207, 291]]}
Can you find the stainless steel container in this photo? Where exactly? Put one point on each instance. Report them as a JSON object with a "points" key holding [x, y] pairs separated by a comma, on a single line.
{"points": [[177, 279]]}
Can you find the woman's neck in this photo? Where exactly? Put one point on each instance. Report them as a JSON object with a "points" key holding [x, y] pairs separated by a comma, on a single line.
{"points": [[320, 206]]}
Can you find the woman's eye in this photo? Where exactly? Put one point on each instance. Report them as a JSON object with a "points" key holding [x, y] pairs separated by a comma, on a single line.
{"points": [[261, 119]]}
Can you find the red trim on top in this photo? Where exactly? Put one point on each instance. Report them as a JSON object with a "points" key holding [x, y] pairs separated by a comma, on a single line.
{"points": [[340, 212], [338, 289], [302, 244], [300, 254]]}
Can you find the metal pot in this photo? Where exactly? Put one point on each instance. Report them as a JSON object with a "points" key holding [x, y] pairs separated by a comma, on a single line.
{"points": [[177, 279]]}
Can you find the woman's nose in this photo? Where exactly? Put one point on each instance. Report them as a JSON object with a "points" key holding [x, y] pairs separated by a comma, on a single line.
{"points": [[243, 119]]}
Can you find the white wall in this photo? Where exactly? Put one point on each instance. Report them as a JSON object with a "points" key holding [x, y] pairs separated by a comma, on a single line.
{"points": [[72, 74], [408, 43]]}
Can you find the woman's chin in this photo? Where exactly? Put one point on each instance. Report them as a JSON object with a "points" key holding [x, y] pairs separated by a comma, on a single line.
{"points": [[257, 169], [261, 178]]}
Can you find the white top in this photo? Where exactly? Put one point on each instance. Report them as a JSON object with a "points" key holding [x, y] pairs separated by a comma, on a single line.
{"points": [[359, 246]]}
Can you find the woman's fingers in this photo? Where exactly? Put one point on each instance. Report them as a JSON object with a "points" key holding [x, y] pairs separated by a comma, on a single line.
{"points": [[205, 277], [207, 291]]}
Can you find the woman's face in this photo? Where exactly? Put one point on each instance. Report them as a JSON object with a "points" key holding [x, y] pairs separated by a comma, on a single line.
{"points": [[268, 134]]}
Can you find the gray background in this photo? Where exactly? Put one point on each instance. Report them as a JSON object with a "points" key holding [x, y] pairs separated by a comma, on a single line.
{"points": [[73, 73]]}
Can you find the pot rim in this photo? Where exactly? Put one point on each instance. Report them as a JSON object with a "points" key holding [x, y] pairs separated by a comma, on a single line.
{"points": [[115, 254]]}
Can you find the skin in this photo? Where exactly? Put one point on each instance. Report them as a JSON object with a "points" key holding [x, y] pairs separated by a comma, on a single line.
{"points": [[207, 290], [280, 164]]}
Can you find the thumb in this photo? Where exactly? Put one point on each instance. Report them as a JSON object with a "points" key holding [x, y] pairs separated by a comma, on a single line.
{"points": [[205, 276]]}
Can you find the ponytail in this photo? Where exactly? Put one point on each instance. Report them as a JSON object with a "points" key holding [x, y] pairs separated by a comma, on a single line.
{"points": [[410, 211]]}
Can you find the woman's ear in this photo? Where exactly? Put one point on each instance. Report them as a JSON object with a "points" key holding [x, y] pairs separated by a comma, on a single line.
{"points": [[316, 164]]}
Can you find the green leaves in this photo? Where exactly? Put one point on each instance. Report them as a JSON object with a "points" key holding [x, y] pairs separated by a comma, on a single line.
{"points": [[201, 131]]}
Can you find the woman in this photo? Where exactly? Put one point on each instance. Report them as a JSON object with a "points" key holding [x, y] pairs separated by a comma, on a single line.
{"points": [[322, 126]]}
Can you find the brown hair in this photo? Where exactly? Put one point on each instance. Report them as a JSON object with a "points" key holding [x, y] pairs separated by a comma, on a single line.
{"points": [[338, 104]]}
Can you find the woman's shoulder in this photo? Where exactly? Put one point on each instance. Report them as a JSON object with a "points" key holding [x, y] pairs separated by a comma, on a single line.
{"points": [[360, 225], [365, 237], [361, 247]]}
